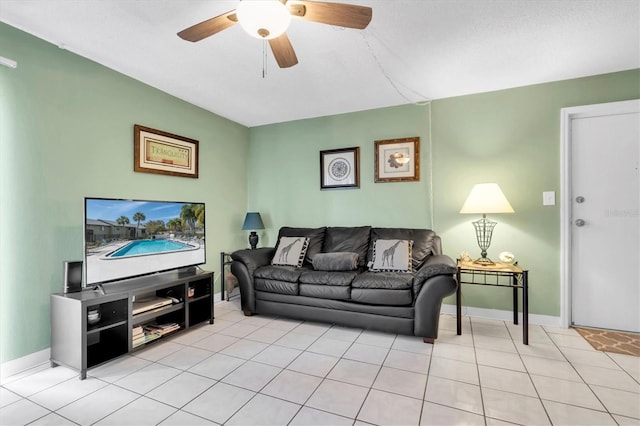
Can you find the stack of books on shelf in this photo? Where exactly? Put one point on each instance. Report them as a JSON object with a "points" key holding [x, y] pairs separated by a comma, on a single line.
{"points": [[161, 329], [142, 336]]}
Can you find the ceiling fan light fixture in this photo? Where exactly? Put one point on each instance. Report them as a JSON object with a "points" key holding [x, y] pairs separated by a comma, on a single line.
{"points": [[263, 19]]}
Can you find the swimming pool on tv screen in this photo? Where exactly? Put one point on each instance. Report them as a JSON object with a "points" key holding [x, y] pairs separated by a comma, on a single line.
{"points": [[137, 248]]}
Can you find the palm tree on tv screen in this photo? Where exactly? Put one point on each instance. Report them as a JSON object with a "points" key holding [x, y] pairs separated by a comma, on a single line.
{"points": [[199, 212], [138, 217], [174, 225], [122, 221], [188, 216]]}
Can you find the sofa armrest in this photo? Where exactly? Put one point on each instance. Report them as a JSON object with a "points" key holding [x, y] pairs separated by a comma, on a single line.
{"points": [[244, 264], [436, 265], [433, 282], [428, 303], [253, 259]]}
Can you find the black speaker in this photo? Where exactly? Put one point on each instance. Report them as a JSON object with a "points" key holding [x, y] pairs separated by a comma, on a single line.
{"points": [[72, 276]]}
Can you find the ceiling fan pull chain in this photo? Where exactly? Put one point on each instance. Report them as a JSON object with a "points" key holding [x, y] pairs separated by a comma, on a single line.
{"points": [[264, 58]]}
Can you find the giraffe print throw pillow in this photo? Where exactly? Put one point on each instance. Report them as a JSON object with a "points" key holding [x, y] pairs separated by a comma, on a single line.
{"points": [[391, 256], [291, 251]]}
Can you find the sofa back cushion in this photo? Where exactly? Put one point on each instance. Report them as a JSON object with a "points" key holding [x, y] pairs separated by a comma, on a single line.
{"points": [[423, 242], [351, 239], [316, 238]]}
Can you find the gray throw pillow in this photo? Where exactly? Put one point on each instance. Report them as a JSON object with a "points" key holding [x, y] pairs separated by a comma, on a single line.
{"points": [[338, 261]]}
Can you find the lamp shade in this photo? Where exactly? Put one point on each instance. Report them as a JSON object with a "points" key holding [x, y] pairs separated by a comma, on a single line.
{"points": [[252, 221], [486, 198]]}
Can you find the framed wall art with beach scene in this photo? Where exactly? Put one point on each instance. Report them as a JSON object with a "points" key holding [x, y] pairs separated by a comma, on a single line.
{"points": [[397, 160], [339, 168], [159, 152]]}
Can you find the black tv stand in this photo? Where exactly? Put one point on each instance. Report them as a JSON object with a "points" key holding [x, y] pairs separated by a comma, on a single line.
{"points": [[80, 345]]}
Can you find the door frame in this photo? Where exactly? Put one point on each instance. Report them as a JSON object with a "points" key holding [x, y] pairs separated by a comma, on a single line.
{"points": [[566, 115]]}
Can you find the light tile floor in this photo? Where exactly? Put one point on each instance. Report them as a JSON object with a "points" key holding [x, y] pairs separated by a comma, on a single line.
{"points": [[263, 370]]}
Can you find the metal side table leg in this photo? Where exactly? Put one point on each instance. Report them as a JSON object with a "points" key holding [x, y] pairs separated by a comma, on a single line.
{"points": [[459, 304], [525, 307]]}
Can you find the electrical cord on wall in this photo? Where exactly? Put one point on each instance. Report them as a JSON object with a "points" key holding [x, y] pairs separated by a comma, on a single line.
{"points": [[431, 206], [426, 100]]}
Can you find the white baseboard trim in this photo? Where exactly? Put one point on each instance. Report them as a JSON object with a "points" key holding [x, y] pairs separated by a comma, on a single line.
{"points": [[470, 311], [27, 362]]}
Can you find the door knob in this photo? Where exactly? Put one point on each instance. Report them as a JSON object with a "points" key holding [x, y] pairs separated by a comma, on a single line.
{"points": [[580, 200], [580, 222]]}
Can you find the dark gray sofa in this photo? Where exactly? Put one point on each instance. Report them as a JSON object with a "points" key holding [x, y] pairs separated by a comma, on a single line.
{"points": [[406, 302]]}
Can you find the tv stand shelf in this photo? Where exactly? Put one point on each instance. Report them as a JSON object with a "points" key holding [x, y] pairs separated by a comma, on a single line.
{"points": [[77, 344], [143, 317]]}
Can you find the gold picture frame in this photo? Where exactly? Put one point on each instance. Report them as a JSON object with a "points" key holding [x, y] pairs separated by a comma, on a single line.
{"points": [[397, 160], [155, 151]]}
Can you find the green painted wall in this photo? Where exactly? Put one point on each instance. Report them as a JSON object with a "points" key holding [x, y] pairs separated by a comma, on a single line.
{"points": [[66, 132], [284, 176], [511, 137]]}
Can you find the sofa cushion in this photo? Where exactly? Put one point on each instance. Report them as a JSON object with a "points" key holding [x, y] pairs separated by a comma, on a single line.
{"points": [[277, 279], [321, 291], [316, 238], [337, 261], [391, 256], [328, 278], [274, 286], [383, 288], [383, 280], [290, 251], [380, 296], [423, 242], [352, 239], [279, 273]]}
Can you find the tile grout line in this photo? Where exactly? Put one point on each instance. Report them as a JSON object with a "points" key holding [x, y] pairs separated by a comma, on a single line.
{"points": [[535, 388], [581, 377], [475, 356], [324, 378]]}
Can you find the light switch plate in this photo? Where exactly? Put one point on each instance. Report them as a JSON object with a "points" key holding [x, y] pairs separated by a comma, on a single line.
{"points": [[549, 198]]}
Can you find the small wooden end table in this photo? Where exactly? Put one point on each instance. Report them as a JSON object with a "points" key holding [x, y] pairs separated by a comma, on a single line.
{"points": [[499, 274]]}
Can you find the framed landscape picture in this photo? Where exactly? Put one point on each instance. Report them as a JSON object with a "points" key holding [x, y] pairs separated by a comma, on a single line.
{"points": [[339, 168], [397, 160], [155, 151]]}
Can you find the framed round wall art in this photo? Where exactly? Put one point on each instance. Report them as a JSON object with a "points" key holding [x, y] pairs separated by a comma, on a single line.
{"points": [[339, 168]]}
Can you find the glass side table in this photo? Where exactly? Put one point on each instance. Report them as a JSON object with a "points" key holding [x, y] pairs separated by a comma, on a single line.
{"points": [[499, 274]]}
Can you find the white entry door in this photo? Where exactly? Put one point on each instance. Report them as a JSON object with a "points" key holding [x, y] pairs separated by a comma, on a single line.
{"points": [[605, 218]]}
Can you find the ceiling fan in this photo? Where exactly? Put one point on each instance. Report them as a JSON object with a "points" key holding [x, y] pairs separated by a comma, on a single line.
{"points": [[269, 19]]}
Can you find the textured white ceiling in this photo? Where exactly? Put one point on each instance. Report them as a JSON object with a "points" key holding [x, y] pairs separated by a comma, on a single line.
{"points": [[412, 51]]}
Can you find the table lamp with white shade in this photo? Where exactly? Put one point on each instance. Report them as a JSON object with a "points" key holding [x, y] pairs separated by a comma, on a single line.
{"points": [[485, 198]]}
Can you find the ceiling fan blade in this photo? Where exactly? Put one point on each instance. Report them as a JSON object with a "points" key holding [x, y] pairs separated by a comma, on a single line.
{"points": [[339, 14], [209, 27], [283, 51]]}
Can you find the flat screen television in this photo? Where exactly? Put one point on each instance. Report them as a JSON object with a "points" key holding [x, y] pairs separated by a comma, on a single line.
{"points": [[129, 238]]}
